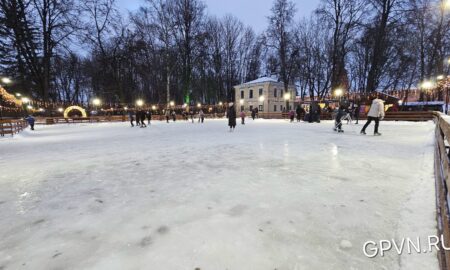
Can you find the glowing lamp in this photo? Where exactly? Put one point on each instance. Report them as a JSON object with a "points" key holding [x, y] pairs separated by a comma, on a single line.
{"points": [[6, 80], [139, 102], [96, 101]]}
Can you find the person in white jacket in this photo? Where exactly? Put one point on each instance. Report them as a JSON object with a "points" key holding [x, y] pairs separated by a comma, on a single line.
{"points": [[376, 113]]}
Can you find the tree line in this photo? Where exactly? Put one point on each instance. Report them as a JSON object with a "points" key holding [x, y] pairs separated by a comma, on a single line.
{"points": [[74, 50]]}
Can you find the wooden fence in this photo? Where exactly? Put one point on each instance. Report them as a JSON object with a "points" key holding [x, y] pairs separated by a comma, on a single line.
{"points": [[12, 126], [442, 183]]}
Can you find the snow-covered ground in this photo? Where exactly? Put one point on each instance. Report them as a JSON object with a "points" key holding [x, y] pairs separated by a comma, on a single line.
{"points": [[271, 195]]}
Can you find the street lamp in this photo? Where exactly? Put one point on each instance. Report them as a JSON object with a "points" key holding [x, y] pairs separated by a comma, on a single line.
{"points": [[199, 105], [139, 103], [172, 103], [154, 107], [287, 97], [261, 99], [6, 80], [60, 110], [96, 102], [25, 100], [220, 103], [18, 94]]}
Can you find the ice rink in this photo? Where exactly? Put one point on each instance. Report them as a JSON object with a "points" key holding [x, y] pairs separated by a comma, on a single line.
{"points": [[271, 195]]}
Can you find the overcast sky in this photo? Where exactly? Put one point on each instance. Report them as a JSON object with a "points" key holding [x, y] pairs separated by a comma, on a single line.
{"points": [[250, 12]]}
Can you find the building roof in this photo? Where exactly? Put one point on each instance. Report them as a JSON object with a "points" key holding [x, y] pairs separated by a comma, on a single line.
{"points": [[261, 80], [424, 103]]}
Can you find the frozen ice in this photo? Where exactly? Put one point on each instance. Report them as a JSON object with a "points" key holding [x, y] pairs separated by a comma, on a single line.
{"points": [[271, 195]]}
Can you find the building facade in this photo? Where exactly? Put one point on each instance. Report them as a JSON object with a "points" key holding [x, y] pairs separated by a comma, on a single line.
{"points": [[266, 94]]}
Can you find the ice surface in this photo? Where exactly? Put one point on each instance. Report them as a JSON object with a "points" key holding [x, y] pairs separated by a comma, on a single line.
{"points": [[271, 195]]}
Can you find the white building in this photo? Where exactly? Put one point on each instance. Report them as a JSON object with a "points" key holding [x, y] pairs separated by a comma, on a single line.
{"points": [[267, 94]]}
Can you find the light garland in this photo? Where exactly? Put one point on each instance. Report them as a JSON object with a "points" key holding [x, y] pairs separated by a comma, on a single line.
{"points": [[8, 98]]}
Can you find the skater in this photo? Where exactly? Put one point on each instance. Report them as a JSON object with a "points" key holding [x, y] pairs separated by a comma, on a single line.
{"points": [[338, 120], [356, 112], [231, 114], [253, 114], [291, 116], [191, 113], [299, 111], [142, 118], [167, 114], [138, 117], [131, 116], [30, 119], [201, 116], [242, 117], [149, 117], [174, 116], [376, 113]]}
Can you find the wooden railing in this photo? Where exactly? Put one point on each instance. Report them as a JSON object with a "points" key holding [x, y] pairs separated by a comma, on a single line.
{"points": [[12, 126], [441, 159]]}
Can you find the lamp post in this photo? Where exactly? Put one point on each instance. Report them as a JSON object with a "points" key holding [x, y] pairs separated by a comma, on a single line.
{"points": [[261, 100], [96, 102], [339, 93], [427, 85], [287, 97]]}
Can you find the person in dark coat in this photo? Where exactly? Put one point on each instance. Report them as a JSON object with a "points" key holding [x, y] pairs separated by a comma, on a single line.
{"points": [[253, 114], [142, 118], [138, 118], [231, 114], [30, 119], [131, 116], [149, 117], [298, 113], [338, 121], [356, 112]]}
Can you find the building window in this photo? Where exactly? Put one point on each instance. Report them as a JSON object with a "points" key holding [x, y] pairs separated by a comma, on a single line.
{"points": [[242, 108], [275, 92], [260, 92], [274, 108], [250, 94], [242, 94], [261, 108]]}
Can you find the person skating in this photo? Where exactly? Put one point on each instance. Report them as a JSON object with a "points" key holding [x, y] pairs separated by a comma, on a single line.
{"points": [[138, 117], [356, 112], [149, 117], [298, 112], [338, 121], [291, 116], [231, 114], [376, 113], [253, 114], [142, 118], [174, 116], [167, 114], [201, 116], [242, 118], [131, 116], [30, 119]]}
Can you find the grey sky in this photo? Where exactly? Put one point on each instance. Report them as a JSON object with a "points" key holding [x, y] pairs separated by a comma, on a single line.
{"points": [[250, 12]]}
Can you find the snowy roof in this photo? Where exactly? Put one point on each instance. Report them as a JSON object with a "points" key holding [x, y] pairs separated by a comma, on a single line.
{"points": [[423, 103], [262, 80]]}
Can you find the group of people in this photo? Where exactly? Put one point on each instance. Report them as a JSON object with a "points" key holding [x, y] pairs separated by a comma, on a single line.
{"points": [[141, 115], [375, 114]]}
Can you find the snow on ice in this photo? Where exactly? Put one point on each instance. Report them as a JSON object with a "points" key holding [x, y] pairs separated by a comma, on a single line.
{"points": [[271, 195]]}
